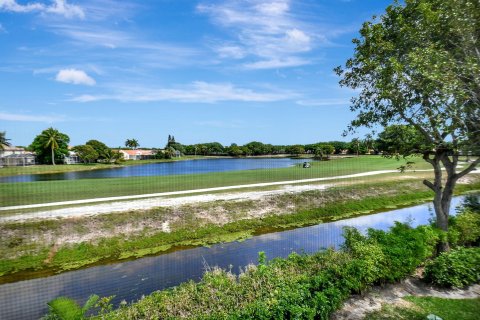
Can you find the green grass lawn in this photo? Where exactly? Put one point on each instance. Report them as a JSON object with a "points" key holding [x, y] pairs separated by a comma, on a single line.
{"points": [[63, 190], [447, 309]]}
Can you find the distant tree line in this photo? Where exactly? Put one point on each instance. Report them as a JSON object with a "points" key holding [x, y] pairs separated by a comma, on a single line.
{"points": [[256, 148], [51, 147]]}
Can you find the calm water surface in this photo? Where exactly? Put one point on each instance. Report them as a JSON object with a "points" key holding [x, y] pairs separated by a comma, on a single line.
{"points": [[164, 169], [130, 280]]}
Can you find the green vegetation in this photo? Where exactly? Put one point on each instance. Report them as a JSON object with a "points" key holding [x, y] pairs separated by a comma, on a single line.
{"points": [[132, 143], [299, 287], [418, 65], [22, 256], [4, 142], [51, 191], [456, 268], [64, 308], [447, 309], [50, 146]]}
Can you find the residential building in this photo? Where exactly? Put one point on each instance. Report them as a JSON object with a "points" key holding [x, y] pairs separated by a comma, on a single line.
{"points": [[138, 154]]}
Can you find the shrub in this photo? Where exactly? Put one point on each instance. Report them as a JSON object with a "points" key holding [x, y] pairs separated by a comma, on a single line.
{"points": [[466, 228], [457, 268], [402, 249], [299, 287]]}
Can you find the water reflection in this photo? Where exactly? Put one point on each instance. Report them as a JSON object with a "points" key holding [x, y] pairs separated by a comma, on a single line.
{"points": [[163, 169], [130, 280]]}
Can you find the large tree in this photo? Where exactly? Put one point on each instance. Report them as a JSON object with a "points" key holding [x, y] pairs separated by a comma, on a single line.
{"points": [[87, 153], [398, 139], [101, 148], [50, 145], [419, 64], [3, 140]]}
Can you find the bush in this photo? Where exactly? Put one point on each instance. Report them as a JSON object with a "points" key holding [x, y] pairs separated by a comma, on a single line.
{"points": [[465, 228], [299, 287], [402, 250], [457, 268]]}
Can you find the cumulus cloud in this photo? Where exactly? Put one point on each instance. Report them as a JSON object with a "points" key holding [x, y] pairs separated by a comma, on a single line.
{"points": [[59, 7], [267, 33], [75, 76]]}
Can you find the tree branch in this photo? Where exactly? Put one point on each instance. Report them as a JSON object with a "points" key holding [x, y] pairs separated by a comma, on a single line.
{"points": [[468, 169], [430, 185]]}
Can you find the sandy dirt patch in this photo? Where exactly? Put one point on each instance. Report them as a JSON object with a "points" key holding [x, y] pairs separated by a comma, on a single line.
{"points": [[358, 306], [145, 204]]}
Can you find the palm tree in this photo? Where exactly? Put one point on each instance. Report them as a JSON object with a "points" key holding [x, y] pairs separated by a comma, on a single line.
{"points": [[112, 156], [132, 143], [3, 141], [52, 139]]}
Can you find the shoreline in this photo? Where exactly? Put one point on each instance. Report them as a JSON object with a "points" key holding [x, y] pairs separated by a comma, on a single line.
{"points": [[118, 249]]}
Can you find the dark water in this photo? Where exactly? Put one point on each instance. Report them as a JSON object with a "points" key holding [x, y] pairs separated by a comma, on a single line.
{"points": [[164, 169], [130, 280]]}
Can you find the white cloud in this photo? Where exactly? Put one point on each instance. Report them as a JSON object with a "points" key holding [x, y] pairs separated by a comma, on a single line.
{"points": [[298, 39], [197, 92], [2, 29], [30, 118], [277, 63], [13, 6], [274, 8], [231, 51], [129, 46], [267, 32], [59, 7], [75, 76], [324, 102]]}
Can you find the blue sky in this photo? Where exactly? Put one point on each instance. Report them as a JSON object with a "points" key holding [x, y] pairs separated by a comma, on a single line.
{"points": [[203, 70]]}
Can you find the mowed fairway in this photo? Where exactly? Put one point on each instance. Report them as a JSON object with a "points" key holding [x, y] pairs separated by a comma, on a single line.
{"points": [[51, 191]]}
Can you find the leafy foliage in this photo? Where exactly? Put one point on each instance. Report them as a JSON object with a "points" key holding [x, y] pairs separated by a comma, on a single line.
{"points": [[397, 140], [63, 308], [299, 287], [87, 153], [132, 143], [3, 140], [100, 147], [457, 268], [418, 64], [50, 139]]}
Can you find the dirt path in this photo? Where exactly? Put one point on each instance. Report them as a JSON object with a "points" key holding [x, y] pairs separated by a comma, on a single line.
{"points": [[358, 306], [204, 190], [149, 201], [144, 204]]}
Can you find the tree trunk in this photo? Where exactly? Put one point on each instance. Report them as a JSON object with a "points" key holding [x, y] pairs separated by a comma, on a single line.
{"points": [[443, 193], [53, 156]]}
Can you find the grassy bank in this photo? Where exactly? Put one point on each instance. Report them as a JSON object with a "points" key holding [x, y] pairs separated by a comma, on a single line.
{"points": [[418, 308], [22, 257], [50, 191], [299, 287]]}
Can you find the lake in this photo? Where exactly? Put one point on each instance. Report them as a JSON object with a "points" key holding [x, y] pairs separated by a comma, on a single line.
{"points": [[165, 168], [132, 279]]}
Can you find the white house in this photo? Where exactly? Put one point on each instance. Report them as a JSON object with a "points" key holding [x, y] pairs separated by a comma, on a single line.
{"points": [[72, 158], [137, 154], [15, 156]]}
